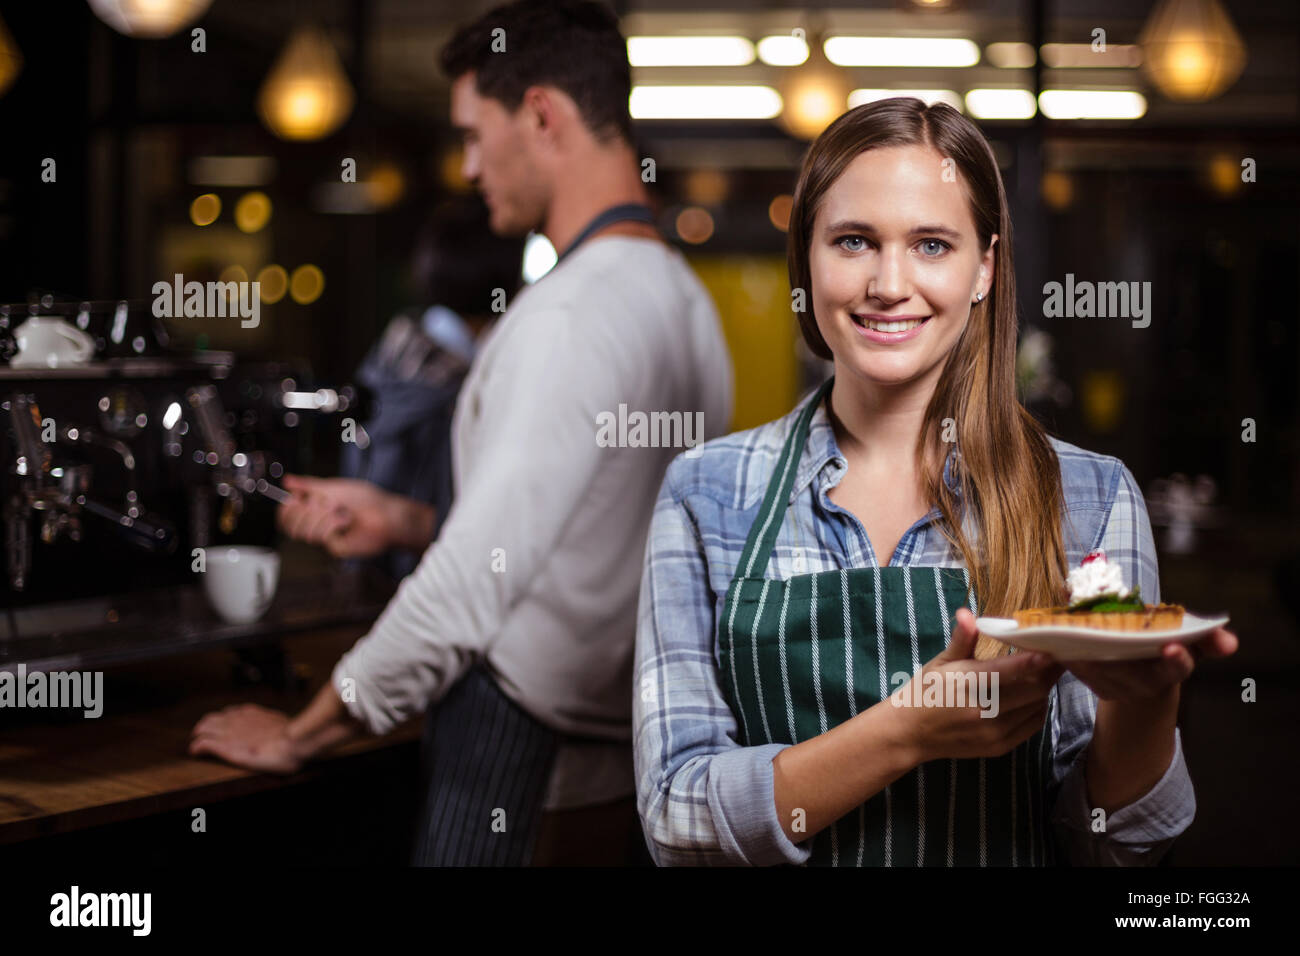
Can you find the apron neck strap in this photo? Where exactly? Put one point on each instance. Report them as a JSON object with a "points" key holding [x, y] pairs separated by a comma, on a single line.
{"points": [[763, 532], [628, 211]]}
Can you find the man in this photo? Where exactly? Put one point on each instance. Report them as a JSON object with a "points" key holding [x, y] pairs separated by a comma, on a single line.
{"points": [[519, 622]]}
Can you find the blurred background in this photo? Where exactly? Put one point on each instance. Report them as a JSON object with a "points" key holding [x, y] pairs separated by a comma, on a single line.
{"points": [[1140, 141]]}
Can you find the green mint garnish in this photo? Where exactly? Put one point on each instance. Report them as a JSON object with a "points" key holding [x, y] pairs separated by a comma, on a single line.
{"points": [[1112, 602], [1118, 606]]}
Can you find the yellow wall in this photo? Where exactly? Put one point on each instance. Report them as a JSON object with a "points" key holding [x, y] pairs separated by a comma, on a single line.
{"points": [[752, 294]]}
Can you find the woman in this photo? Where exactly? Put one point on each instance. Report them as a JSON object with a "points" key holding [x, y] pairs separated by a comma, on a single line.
{"points": [[795, 569]]}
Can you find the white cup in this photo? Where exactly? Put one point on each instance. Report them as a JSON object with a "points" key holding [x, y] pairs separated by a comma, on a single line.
{"points": [[240, 581], [46, 341]]}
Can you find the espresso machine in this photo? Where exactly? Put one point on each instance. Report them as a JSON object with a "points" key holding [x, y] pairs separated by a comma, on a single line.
{"points": [[120, 471]]}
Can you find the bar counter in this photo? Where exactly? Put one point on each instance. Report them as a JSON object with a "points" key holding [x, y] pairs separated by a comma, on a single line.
{"points": [[61, 773]]}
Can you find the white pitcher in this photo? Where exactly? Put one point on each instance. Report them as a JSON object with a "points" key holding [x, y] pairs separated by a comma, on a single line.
{"points": [[47, 341]]}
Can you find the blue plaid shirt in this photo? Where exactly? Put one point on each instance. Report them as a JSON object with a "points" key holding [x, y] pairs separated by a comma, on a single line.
{"points": [[705, 799]]}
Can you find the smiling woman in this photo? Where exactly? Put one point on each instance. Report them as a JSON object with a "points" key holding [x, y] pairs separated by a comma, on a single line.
{"points": [[793, 568], [898, 292]]}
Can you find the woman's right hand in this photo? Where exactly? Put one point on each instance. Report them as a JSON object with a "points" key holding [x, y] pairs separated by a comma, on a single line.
{"points": [[1020, 694]]}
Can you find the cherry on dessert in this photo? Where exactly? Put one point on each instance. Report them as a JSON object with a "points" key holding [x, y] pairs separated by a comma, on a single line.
{"points": [[1098, 555]]}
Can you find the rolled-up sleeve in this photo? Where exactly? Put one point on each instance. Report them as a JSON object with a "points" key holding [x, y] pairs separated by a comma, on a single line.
{"points": [[704, 798], [532, 472], [1140, 833]]}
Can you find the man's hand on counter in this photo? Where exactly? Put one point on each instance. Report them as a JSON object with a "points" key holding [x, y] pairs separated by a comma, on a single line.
{"points": [[258, 738], [353, 518], [248, 736]]}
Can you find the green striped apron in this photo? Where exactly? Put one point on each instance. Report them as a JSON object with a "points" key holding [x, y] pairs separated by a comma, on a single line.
{"points": [[800, 656]]}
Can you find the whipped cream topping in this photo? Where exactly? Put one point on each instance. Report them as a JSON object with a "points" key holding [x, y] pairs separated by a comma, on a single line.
{"points": [[1096, 577]]}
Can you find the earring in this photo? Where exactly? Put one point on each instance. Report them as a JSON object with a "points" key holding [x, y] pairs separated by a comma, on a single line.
{"points": [[979, 297]]}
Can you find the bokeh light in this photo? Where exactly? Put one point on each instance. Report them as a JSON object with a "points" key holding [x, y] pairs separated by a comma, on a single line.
{"points": [[694, 225], [778, 211], [1224, 174], [205, 209], [273, 282], [306, 284], [386, 183], [253, 211], [1057, 190], [707, 187]]}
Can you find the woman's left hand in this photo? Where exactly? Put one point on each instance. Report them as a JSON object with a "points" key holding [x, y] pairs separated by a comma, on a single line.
{"points": [[1135, 680]]}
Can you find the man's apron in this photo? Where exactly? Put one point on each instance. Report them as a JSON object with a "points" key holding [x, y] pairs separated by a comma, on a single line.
{"points": [[801, 656]]}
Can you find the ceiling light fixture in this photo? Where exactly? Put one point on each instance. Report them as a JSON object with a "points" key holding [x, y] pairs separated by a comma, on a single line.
{"points": [[783, 50], [901, 51], [1191, 50], [306, 95], [689, 51], [929, 97], [1001, 104], [1092, 104], [704, 102]]}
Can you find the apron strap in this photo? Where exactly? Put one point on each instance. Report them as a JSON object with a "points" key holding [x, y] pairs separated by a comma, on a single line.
{"points": [[764, 530], [633, 211]]}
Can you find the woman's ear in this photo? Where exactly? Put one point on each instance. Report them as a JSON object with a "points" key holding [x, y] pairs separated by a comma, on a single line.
{"points": [[988, 267]]}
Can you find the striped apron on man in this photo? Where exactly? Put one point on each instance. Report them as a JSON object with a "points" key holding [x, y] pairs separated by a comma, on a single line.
{"points": [[485, 764], [800, 656]]}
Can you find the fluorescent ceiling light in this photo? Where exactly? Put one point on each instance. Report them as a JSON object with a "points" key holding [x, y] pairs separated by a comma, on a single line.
{"points": [[929, 97], [782, 50], [901, 51], [1076, 55], [1092, 104], [704, 102], [1000, 104], [689, 51], [1010, 56]]}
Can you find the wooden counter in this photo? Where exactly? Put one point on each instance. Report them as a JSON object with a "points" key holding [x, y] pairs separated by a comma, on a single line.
{"points": [[61, 772]]}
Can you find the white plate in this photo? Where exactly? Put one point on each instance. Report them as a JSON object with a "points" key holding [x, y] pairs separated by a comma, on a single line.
{"points": [[1093, 643]]}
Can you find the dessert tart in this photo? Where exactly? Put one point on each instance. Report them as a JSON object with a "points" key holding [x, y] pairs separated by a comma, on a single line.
{"points": [[1099, 599]]}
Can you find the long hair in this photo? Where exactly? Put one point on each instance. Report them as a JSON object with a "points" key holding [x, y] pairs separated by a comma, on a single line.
{"points": [[1008, 473]]}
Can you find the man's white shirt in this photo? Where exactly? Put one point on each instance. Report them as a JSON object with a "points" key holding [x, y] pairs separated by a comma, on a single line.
{"points": [[537, 569]]}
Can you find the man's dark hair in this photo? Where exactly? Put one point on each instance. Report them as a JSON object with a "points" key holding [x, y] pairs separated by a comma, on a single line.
{"points": [[573, 45]]}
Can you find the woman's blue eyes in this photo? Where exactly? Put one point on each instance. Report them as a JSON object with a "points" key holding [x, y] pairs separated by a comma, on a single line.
{"points": [[931, 248]]}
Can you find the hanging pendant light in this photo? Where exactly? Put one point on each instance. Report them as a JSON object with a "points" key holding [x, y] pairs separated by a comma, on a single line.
{"points": [[1191, 50], [149, 18], [814, 94], [306, 95], [11, 61]]}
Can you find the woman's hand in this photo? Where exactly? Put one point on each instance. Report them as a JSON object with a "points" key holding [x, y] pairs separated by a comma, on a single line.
{"points": [[248, 736], [1151, 677], [1020, 697], [352, 518]]}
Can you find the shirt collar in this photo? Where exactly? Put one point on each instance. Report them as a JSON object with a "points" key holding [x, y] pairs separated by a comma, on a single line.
{"points": [[821, 451]]}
